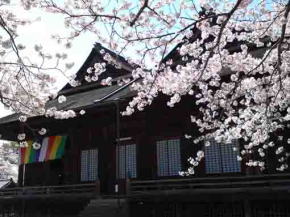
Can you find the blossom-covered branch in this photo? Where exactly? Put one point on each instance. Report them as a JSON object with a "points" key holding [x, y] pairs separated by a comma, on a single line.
{"points": [[231, 57]]}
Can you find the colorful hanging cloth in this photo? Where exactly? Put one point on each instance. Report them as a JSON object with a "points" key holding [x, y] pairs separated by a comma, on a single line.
{"points": [[51, 148]]}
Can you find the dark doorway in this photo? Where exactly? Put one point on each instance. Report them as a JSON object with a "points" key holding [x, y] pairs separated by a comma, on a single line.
{"points": [[56, 172]]}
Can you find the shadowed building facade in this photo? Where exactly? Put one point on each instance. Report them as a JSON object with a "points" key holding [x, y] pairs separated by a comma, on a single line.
{"points": [[104, 164]]}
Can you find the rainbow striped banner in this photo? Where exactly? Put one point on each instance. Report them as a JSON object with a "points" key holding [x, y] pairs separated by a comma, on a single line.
{"points": [[52, 148]]}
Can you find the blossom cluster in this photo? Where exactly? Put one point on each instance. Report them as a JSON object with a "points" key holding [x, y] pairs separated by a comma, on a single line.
{"points": [[194, 163], [8, 160], [60, 114], [95, 71], [231, 57]]}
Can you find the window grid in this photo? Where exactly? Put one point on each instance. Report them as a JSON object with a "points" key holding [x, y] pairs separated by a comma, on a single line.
{"points": [[127, 161], [221, 158], [230, 164], [89, 165], [93, 174], [168, 157], [212, 158], [162, 158], [84, 163]]}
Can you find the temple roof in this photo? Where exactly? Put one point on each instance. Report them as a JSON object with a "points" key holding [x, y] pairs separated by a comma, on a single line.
{"points": [[83, 100], [96, 56], [90, 94], [87, 93]]}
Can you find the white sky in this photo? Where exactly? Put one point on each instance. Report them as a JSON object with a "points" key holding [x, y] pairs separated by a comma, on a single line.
{"points": [[39, 32]]}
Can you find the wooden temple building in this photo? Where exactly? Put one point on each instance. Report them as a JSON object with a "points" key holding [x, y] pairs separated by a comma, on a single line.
{"points": [[105, 164]]}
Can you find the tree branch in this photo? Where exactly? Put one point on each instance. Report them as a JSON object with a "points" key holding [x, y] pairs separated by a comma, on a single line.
{"points": [[145, 4]]}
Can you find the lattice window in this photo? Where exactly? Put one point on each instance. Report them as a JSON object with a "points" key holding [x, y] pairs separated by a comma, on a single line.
{"points": [[212, 158], [221, 158], [84, 167], [93, 156], [126, 161], [89, 165], [168, 157], [230, 164]]}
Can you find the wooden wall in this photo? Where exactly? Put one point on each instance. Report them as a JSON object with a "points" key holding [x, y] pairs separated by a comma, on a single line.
{"points": [[97, 129]]}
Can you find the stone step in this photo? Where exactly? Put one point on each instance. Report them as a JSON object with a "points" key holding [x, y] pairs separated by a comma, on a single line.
{"points": [[105, 208]]}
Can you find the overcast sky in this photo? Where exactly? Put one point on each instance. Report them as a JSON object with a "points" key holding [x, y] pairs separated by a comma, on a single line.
{"points": [[39, 32]]}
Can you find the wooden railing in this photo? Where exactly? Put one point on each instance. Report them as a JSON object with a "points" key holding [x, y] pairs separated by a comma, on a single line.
{"points": [[46, 191], [179, 185], [212, 184]]}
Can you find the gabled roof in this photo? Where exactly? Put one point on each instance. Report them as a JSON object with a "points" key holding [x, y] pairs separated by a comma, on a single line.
{"points": [[83, 100], [96, 56], [232, 47], [89, 98], [90, 94], [83, 96]]}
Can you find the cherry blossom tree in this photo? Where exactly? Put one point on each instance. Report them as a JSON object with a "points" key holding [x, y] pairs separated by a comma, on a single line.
{"points": [[8, 160], [25, 82], [232, 56]]}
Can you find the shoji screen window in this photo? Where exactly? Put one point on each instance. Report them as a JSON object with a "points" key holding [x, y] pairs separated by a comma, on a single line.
{"points": [[168, 157], [221, 158], [126, 161], [89, 165]]}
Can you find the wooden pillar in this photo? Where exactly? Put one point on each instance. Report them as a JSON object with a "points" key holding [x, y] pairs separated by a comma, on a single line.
{"points": [[76, 141], [20, 175]]}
